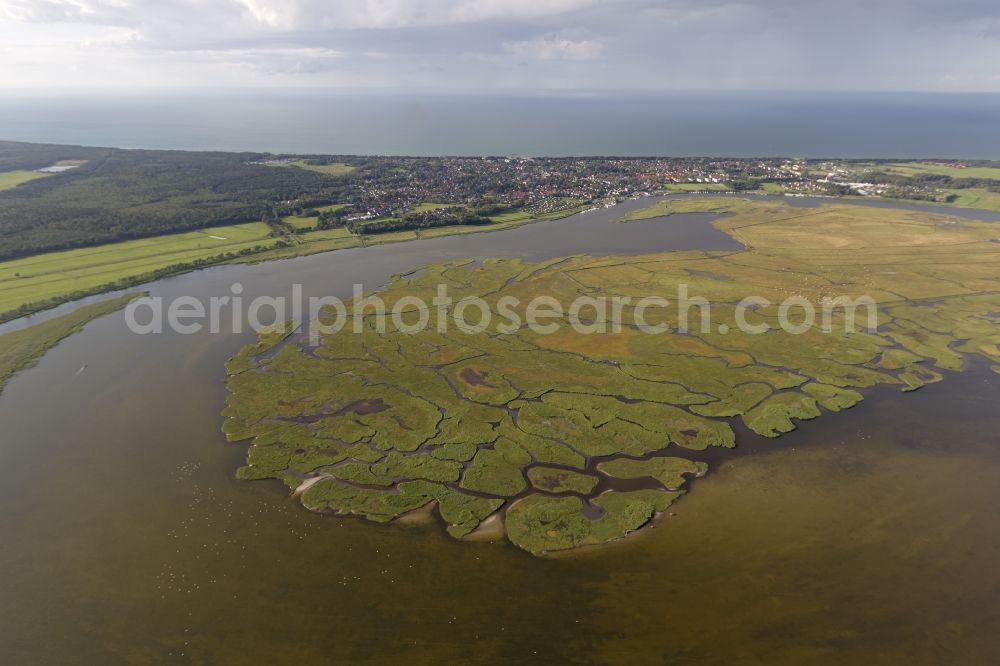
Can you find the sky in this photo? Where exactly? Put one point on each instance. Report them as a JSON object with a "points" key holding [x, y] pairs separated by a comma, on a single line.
{"points": [[454, 46]]}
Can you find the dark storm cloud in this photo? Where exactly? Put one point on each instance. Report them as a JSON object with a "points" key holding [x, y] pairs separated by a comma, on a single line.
{"points": [[462, 44]]}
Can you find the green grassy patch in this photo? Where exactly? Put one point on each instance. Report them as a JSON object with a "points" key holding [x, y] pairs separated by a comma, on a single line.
{"points": [[301, 223], [335, 169], [11, 179], [951, 170], [54, 276], [555, 481], [774, 416], [430, 205], [671, 472], [696, 187], [519, 215], [542, 524], [975, 198]]}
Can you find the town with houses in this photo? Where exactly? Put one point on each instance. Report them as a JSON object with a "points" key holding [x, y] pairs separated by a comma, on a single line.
{"points": [[392, 188]]}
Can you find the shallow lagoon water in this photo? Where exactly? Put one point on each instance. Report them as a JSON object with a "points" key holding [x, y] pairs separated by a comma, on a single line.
{"points": [[868, 535]]}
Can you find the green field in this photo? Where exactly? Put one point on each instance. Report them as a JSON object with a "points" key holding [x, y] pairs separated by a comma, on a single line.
{"points": [[696, 187], [432, 205], [338, 233], [11, 179], [58, 274], [976, 198], [918, 168], [53, 277], [330, 208], [307, 223], [21, 349], [511, 216], [772, 188], [300, 223], [335, 169]]}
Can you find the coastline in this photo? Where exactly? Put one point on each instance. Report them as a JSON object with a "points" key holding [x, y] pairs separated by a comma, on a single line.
{"points": [[16, 319]]}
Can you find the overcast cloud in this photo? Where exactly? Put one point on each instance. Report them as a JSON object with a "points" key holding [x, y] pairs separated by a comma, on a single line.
{"points": [[466, 45]]}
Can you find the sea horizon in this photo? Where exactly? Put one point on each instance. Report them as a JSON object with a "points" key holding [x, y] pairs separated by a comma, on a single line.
{"points": [[576, 123]]}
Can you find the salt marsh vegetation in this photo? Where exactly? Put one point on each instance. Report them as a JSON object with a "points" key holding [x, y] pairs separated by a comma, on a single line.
{"points": [[538, 427]]}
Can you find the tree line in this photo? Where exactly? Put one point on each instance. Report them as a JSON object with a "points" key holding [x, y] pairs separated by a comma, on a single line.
{"points": [[126, 194]]}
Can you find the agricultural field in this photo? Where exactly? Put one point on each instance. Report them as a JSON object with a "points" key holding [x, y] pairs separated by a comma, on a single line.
{"points": [[772, 188], [696, 187], [11, 179], [309, 222], [919, 168], [975, 198], [511, 216], [431, 205], [578, 438], [57, 275], [301, 223], [320, 235], [336, 169]]}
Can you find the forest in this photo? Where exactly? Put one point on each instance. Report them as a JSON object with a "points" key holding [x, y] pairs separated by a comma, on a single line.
{"points": [[116, 194]]}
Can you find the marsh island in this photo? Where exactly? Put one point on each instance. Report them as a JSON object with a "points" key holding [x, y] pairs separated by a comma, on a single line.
{"points": [[581, 438]]}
